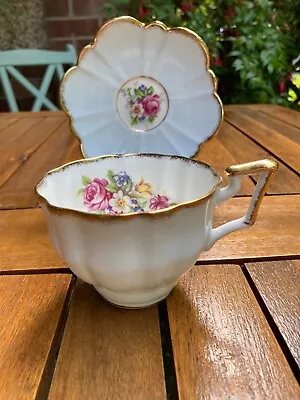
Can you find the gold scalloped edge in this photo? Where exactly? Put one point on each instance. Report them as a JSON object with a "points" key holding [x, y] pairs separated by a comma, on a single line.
{"points": [[163, 212], [165, 28]]}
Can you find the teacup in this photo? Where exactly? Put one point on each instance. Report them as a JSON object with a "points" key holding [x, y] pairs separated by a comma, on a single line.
{"points": [[132, 225]]}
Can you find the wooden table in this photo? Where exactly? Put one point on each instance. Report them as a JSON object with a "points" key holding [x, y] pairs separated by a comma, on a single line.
{"points": [[229, 330]]}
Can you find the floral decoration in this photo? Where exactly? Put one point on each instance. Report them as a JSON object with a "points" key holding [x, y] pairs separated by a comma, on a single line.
{"points": [[118, 194], [142, 102]]}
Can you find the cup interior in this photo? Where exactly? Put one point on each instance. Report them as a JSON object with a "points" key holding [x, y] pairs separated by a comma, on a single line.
{"points": [[127, 184]]}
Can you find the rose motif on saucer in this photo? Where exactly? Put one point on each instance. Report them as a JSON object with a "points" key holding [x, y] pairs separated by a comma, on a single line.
{"points": [[142, 89], [142, 104]]}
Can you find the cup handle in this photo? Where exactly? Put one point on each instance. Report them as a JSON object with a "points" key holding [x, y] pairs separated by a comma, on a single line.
{"points": [[235, 174]]}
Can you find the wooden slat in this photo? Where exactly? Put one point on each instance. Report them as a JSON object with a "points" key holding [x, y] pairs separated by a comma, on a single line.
{"points": [[274, 234], [25, 232], [214, 153], [243, 149], [270, 120], [17, 152], [279, 285], [281, 146], [108, 353], [5, 122], [30, 308], [223, 346], [25, 243], [17, 129], [288, 116], [19, 190], [32, 114]]}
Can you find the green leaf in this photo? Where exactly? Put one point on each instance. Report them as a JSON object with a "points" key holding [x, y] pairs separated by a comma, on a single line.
{"points": [[270, 68], [250, 75], [150, 90], [151, 118], [143, 203], [139, 93], [110, 175], [86, 180], [237, 64], [234, 53], [128, 187], [134, 120], [111, 188], [79, 192], [136, 195]]}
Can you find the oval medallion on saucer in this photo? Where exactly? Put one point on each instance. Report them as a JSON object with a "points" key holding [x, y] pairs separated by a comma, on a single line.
{"points": [[142, 103]]}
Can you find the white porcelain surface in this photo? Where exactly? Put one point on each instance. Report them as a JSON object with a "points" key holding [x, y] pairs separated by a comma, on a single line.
{"points": [[132, 225], [171, 106]]}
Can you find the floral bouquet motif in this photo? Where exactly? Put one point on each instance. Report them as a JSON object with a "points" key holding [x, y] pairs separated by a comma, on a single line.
{"points": [[143, 103], [120, 195]]}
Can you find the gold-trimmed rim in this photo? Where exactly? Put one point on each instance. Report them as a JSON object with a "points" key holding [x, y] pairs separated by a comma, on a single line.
{"points": [[165, 211], [165, 28]]}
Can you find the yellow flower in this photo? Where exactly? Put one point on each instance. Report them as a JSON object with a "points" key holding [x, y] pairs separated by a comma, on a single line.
{"points": [[296, 80], [143, 188]]}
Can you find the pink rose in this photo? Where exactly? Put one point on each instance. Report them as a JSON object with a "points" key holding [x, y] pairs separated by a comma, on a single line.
{"points": [[158, 202], [151, 105], [95, 195]]}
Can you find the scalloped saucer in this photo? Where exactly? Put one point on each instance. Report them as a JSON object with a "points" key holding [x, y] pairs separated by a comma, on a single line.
{"points": [[142, 89]]}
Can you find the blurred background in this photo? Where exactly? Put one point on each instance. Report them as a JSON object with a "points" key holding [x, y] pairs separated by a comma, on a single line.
{"points": [[254, 45]]}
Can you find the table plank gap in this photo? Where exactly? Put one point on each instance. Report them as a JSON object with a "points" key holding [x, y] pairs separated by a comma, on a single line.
{"points": [[242, 260], [223, 345], [45, 271], [277, 288], [280, 146], [116, 353], [46, 379], [30, 307], [244, 149], [167, 352]]}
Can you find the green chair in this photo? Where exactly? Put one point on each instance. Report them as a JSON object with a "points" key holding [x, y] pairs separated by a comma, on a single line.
{"points": [[17, 58]]}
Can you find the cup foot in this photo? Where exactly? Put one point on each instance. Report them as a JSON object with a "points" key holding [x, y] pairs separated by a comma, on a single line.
{"points": [[133, 301]]}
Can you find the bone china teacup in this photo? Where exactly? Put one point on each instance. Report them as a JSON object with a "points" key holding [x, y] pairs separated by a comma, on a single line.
{"points": [[131, 225]]}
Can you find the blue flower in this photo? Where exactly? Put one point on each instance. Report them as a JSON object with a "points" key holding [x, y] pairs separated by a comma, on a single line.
{"points": [[142, 118], [138, 209], [133, 201], [143, 88], [121, 179]]}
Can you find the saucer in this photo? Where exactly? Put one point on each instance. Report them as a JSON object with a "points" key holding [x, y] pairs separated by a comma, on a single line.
{"points": [[142, 89]]}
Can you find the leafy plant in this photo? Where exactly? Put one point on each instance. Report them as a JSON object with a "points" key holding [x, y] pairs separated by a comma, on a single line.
{"points": [[251, 43]]}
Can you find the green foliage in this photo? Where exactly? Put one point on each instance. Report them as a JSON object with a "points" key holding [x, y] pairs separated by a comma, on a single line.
{"points": [[86, 180], [252, 43]]}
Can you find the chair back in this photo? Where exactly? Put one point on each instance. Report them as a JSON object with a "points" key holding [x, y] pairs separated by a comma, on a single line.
{"points": [[54, 60]]}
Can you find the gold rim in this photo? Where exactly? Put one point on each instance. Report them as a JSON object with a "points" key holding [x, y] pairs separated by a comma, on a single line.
{"points": [[42, 199], [165, 28]]}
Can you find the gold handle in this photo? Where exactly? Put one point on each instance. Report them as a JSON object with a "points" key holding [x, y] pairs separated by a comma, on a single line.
{"points": [[249, 168]]}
